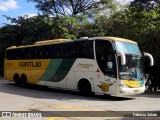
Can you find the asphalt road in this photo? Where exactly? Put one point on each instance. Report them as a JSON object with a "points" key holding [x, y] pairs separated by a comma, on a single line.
{"points": [[53, 104]]}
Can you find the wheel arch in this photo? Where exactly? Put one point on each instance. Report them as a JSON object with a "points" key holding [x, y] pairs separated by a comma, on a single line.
{"points": [[82, 81], [16, 75]]}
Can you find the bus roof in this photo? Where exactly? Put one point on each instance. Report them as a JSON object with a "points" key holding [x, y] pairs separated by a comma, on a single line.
{"points": [[51, 41], [118, 39], [41, 43], [58, 41]]}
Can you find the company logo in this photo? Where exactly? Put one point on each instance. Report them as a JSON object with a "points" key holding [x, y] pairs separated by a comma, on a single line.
{"points": [[30, 64], [85, 65], [105, 86]]}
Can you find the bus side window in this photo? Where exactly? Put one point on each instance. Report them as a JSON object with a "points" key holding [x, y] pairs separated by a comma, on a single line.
{"points": [[56, 52], [62, 50], [17, 54], [52, 51], [85, 50], [39, 52], [71, 51], [43, 52], [22, 53], [36, 52], [31, 53], [67, 51]]}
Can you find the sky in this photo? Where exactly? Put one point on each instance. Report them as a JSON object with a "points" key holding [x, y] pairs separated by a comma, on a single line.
{"points": [[15, 8]]}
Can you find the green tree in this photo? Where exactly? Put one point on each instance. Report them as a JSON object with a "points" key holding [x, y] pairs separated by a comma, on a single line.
{"points": [[140, 5], [43, 27], [32, 29], [145, 15], [9, 36], [69, 7]]}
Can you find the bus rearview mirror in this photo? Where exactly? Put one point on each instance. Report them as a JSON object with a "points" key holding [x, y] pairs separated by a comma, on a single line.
{"points": [[150, 57], [123, 57]]}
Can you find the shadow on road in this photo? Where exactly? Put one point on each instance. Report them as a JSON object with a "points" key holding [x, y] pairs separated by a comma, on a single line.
{"points": [[37, 91], [150, 94]]}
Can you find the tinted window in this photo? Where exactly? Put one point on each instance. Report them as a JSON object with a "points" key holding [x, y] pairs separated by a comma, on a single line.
{"points": [[84, 49], [52, 51], [37, 52], [67, 51], [106, 58]]}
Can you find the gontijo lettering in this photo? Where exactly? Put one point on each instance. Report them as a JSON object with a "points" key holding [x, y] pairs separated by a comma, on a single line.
{"points": [[30, 64]]}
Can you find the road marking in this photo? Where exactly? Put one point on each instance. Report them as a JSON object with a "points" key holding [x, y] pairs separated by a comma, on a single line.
{"points": [[5, 81], [55, 118], [68, 107], [55, 107]]}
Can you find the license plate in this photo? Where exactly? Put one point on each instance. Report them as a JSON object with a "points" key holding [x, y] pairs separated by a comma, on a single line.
{"points": [[135, 91]]}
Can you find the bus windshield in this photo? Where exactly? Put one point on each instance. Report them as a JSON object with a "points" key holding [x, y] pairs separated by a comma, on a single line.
{"points": [[128, 48], [133, 69]]}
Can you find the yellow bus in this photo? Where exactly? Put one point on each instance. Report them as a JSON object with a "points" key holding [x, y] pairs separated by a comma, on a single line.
{"points": [[104, 65]]}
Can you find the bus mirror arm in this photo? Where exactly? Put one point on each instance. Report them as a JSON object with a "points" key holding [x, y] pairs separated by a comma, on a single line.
{"points": [[150, 57], [123, 57]]}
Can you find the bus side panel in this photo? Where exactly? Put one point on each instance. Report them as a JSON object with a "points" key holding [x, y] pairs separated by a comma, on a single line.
{"points": [[68, 82], [11, 68], [87, 76], [37, 72], [8, 70], [104, 84], [84, 69], [98, 81], [58, 71], [32, 69]]}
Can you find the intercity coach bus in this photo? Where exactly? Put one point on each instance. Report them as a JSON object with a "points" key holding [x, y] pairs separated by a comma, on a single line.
{"points": [[103, 65]]}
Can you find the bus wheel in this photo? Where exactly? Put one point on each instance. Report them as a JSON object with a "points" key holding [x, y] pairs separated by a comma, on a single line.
{"points": [[24, 81], [16, 80], [85, 88]]}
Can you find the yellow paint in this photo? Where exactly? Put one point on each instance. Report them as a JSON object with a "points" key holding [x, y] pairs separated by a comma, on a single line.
{"points": [[68, 107], [118, 39], [55, 118], [41, 43], [105, 87], [130, 83], [33, 73], [51, 41]]}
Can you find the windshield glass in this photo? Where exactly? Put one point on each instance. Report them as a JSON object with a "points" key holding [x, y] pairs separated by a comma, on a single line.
{"points": [[133, 69], [127, 48]]}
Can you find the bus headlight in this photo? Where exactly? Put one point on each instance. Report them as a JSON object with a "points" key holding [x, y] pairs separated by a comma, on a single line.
{"points": [[123, 86]]}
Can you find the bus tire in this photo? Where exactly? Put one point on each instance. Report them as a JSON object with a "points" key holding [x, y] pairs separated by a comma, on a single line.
{"points": [[23, 81], [85, 88], [16, 80]]}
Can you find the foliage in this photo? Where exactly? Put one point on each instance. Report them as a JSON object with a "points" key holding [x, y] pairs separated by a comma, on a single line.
{"points": [[140, 5], [69, 7], [145, 15], [138, 21]]}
